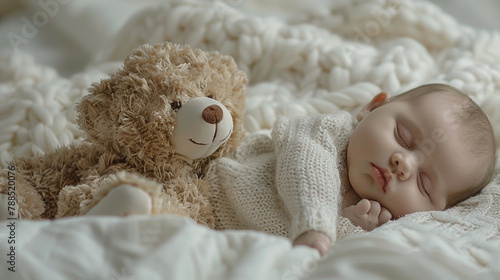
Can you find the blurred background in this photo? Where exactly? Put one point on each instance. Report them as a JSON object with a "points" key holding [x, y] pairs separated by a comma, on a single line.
{"points": [[479, 13], [52, 46]]}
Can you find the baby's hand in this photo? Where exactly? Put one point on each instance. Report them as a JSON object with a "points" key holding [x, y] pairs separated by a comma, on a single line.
{"points": [[315, 239], [367, 214]]}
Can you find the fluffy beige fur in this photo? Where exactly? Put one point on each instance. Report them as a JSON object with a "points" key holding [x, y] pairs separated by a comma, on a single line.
{"points": [[128, 121]]}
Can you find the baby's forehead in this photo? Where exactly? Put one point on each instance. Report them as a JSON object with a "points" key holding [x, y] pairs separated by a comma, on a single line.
{"points": [[443, 106]]}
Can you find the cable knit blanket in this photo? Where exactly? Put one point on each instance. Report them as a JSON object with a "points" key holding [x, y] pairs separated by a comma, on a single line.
{"points": [[331, 57]]}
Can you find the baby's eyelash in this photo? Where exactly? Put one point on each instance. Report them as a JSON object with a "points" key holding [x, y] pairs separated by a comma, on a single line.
{"points": [[419, 184], [422, 186], [400, 138]]}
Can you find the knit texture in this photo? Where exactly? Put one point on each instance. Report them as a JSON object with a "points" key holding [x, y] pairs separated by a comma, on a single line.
{"points": [[285, 182]]}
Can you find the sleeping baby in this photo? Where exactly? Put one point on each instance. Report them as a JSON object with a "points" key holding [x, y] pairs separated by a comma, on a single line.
{"points": [[314, 179]]}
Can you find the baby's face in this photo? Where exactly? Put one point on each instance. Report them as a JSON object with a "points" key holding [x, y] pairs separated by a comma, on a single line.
{"points": [[408, 155]]}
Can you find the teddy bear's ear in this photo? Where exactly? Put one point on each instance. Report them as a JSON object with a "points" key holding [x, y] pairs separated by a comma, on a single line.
{"points": [[140, 58], [94, 112], [150, 58]]}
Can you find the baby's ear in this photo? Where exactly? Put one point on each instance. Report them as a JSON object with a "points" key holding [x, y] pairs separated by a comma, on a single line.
{"points": [[377, 101]]}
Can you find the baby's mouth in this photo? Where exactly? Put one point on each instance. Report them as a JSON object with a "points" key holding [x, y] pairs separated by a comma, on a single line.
{"points": [[382, 177]]}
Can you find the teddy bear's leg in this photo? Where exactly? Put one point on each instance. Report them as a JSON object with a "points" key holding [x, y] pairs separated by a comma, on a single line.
{"points": [[124, 193], [124, 200], [121, 200], [29, 204], [71, 197]]}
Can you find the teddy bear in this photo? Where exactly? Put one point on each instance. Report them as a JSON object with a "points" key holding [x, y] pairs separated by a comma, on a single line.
{"points": [[151, 129]]}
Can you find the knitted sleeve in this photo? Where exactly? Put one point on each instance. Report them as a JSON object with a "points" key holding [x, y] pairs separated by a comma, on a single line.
{"points": [[307, 173]]}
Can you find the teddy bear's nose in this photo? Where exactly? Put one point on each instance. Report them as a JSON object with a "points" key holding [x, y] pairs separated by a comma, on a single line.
{"points": [[212, 114]]}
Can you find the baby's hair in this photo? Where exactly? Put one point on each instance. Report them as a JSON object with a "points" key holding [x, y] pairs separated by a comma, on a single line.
{"points": [[478, 132]]}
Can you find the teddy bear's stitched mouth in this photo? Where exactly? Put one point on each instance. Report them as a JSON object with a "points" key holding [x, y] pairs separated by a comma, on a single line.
{"points": [[201, 144]]}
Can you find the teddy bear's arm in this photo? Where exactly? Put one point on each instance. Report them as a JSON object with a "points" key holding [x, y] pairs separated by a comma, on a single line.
{"points": [[39, 180]]}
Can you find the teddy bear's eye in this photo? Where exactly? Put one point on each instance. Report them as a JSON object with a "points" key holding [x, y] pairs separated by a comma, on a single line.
{"points": [[211, 96], [176, 105]]}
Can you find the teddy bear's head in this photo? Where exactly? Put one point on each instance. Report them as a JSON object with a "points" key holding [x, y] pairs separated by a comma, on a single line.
{"points": [[167, 100]]}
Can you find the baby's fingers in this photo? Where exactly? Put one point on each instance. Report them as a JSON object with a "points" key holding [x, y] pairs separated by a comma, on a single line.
{"points": [[375, 209], [362, 207], [321, 245], [384, 216]]}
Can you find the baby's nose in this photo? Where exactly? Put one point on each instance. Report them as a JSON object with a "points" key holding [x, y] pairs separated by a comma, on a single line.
{"points": [[403, 166], [212, 114]]}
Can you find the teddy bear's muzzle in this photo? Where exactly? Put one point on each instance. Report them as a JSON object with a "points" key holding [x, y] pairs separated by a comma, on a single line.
{"points": [[202, 126]]}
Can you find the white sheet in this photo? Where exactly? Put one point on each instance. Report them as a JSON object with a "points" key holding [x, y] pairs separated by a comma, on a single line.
{"points": [[144, 247], [174, 248]]}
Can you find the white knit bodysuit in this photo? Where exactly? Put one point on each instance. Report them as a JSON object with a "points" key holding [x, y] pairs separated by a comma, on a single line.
{"points": [[286, 182]]}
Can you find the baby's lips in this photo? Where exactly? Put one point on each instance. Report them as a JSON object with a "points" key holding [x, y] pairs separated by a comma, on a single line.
{"points": [[381, 176]]}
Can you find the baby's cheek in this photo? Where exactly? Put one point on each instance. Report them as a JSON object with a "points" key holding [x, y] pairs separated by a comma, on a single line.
{"points": [[363, 186]]}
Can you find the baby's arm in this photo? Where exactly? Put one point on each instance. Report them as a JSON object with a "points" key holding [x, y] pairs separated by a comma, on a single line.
{"points": [[306, 175], [367, 214]]}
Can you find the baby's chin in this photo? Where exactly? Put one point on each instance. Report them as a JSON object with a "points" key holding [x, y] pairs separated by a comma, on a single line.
{"points": [[398, 213]]}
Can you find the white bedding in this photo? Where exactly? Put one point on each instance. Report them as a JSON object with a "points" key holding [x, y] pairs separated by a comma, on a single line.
{"points": [[315, 62], [143, 247], [171, 247]]}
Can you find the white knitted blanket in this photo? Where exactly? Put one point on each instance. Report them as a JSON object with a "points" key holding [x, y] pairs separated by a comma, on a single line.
{"points": [[331, 57]]}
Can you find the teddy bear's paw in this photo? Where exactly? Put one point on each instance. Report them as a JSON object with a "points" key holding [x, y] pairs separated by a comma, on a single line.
{"points": [[123, 200]]}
